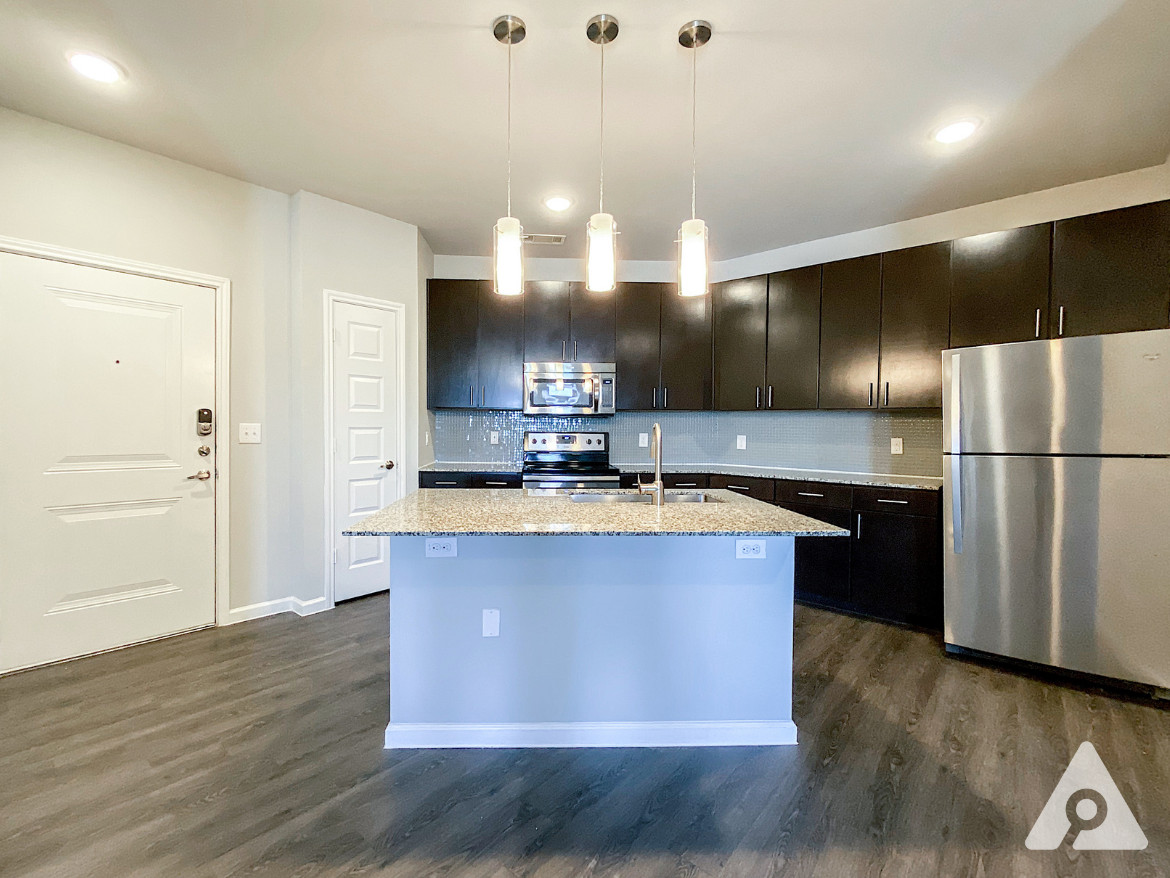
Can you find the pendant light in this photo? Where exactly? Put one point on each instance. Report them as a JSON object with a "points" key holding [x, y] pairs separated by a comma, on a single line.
{"points": [[693, 265], [508, 235], [601, 231]]}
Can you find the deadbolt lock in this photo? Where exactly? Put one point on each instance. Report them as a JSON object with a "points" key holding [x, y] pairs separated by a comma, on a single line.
{"points": [[204, 451], [203, 422]]}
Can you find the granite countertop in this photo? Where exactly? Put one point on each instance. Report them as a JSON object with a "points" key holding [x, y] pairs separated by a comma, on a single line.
{"points": [[498, 512], [877, 480]]}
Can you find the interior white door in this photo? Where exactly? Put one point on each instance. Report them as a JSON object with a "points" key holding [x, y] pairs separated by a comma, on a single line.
{"points": [[365, 437], [105, 539]]}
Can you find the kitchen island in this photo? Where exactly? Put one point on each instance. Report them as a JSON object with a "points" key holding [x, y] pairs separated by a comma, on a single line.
{"points": [[521, 621]]}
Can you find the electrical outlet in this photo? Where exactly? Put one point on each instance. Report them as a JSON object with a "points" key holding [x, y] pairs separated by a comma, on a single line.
{"points": [[643, 440], [491, 623], [741, 443], [895, 446], [249, 434], [495, 437], [442, 547], [751, 549]]}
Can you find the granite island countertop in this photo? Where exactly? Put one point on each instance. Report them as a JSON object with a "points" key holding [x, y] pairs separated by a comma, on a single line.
{"points": [[502, 512], [876, 480]]}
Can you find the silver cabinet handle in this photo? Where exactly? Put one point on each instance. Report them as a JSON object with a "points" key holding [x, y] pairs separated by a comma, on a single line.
{"points": [[887, 393], [574, 350], [871, 394], [203, 475], [446, 483], [899, 502], [482, 394], [686, 484], [808, 494], [1037, 323], [738, 488], [859, 526], [654, 401], [664, 402], [757, 397], [1060, 323], [501, 484], [562, 350], [769, 396], [471, 387]]}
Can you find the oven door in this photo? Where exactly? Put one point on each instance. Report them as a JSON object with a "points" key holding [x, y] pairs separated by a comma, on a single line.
{"points": [[552, 394]]}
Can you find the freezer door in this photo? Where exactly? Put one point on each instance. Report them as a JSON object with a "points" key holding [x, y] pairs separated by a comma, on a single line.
{"points": [[1061, 561], [1104, 394]]}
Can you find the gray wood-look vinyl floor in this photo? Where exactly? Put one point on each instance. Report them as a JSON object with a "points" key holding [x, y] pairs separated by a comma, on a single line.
{"points": [[257, 750]]}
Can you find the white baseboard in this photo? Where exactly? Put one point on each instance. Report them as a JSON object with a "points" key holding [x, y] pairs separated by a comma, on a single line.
{"points": [[280, 605], [631, 734]]}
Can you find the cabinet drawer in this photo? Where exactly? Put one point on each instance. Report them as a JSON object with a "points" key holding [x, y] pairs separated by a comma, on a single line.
{"points": [[685, 480], [906, 501], [813, 493], [750, 486], [496, 480], [444, 480]]}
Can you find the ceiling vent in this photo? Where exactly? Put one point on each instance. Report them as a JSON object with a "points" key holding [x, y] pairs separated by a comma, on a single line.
{"points": [[545, 239]]}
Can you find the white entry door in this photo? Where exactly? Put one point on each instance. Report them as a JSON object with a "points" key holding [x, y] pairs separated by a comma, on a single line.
{"points": [[105, 539], [365, 441]]}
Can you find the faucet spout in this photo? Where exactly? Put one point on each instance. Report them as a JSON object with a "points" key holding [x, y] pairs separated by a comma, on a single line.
{"points": [[655, 455]]}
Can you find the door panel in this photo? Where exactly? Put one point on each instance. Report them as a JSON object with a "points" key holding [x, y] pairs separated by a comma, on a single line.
{"points": [[822, 565], [794, 338], [546, 322], [688, 376], [500, 350], [637, 349], [106, 541], [452, 369], [895, 570], [916, 309], [741, 340], [593, 324], [1058, 564], [365, 439], [851, 299]]}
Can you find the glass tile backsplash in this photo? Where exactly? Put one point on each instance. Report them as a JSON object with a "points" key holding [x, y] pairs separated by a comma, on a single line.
{"points": [[840, 441]]}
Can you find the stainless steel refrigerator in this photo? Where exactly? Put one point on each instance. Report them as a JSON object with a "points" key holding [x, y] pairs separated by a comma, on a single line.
{"points": [[1057, 503]]}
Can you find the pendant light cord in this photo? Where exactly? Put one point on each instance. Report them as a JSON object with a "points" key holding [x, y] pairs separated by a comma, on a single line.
{"points": [[509, 126], [694, 92], [601, 193]]}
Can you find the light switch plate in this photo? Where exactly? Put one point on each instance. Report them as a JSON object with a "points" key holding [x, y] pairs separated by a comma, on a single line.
{"points": [[741, 443], [643, 440], [495, 437], [895, 446], [442, 547], [491, 623], [249, 434]]}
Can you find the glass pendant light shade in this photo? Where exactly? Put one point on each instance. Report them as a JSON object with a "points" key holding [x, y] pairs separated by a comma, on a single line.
{"points": [[508, 257], [601, 253], [692, 258]]}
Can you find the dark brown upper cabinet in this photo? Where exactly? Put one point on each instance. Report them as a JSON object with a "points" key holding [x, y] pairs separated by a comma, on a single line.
{"points": [[688, 374], [452, 327], [851, 303], [794, 338], [638, 352], [916, 302], [740, 309], [546, 322], [999, 289], [592, 325], [1111, 271], [500, 350]]}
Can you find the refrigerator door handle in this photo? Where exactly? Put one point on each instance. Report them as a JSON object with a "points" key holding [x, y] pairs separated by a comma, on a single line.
{"points": [[956, 412], [957, 502]]}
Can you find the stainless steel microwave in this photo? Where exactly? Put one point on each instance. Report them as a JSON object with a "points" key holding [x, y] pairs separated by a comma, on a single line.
{"points": [[569, 388]]}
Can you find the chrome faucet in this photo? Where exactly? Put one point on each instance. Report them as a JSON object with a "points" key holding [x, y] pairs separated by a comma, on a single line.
{"points": [[656, 455]]}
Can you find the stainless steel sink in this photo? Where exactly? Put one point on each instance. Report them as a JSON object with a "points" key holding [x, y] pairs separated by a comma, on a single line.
{"points": [[691, 497]]}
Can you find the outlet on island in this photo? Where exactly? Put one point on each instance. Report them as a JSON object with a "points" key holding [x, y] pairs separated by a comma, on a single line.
{"points": [[442, 547], [751, 549]]}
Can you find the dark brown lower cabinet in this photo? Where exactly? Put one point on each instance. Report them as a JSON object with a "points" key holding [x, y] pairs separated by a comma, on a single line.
{"points": [[749, 486], [822, 563], [895, 568], [468, 480]]}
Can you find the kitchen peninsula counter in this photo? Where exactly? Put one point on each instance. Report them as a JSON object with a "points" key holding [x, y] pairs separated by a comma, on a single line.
{"points": [[623, 625]]}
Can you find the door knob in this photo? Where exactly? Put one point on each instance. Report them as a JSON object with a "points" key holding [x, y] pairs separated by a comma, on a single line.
{"points": [[387, 465], [203, 475]]}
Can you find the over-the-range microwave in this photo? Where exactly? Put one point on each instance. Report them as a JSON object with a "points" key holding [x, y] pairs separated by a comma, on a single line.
{"points": [[569, 388]]}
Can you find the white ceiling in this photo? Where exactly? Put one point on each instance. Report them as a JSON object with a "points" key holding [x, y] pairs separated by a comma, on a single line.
{"points": [[813, 116]]}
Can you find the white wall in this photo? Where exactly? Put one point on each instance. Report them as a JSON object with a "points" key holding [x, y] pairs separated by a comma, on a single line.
{"points": [[1076, 199], [63, 187]]}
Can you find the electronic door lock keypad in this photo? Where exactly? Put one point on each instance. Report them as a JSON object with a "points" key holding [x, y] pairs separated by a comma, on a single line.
{"points": [[203, 422]]}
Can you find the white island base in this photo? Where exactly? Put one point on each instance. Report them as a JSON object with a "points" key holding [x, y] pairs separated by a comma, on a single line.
{"points": [[604, 641]]}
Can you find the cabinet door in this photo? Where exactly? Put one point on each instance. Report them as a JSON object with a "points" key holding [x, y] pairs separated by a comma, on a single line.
{"points": [[688, 376], [444, 480], [592, 324], [740, 310], [895, 568], [1111, 271], [500, 344], [546, 322], [916, 311], [822, 563], [851, 301], [794, 338], [637, 352], [452, 371], [749, 486], [999, 289]]}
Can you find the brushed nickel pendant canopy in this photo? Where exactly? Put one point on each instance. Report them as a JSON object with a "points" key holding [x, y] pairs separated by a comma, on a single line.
{"points": [[694, 34], [509, 29], [601, 29]]}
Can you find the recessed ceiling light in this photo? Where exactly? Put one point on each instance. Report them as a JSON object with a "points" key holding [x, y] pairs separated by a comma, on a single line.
{"points": [[956, 131], [558, 203], [96, 67]]}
